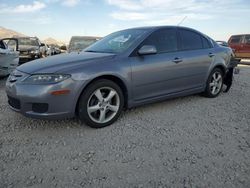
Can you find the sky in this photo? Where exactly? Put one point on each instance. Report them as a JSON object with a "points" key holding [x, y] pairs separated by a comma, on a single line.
{"points": [[61, 19]]}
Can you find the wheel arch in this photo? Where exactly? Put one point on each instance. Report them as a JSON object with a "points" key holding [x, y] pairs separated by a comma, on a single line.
{"points": [[221, 67], [110, 77]]}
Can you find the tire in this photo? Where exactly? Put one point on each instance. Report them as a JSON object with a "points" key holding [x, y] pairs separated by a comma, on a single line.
{"points": [[100, 104], [214, 83]]}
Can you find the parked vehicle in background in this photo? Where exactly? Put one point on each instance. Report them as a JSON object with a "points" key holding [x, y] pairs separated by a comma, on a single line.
{"points": [[48, 50], [78, 43], [125, 69], [9, 56], [240, 45], [63, 49], [30, 48], [222, 43], [55, 49]]}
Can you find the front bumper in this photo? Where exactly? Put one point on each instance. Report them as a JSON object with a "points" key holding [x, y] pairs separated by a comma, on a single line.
{"points": [[27, 58], [36, 101]]}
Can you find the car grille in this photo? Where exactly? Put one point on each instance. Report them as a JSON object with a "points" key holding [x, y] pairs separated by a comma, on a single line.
{"points": [[24, 52], [15, 103]]}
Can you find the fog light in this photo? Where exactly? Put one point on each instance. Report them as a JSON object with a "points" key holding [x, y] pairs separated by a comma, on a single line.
{"points": [[40, 107]]}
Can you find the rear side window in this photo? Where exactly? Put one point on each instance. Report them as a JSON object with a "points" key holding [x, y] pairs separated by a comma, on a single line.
{"points": [[2, 46], [165, 40], [190, 40], [235, 39], [206, 43], [247, 39]]}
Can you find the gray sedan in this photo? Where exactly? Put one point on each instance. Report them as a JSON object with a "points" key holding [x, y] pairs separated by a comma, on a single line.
{"points": [[125, 69]]}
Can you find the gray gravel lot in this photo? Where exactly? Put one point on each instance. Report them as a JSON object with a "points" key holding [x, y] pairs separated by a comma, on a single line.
{"points": [[185, 142]]}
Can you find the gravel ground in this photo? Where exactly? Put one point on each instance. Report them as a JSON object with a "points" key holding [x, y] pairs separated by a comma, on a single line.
{"points": [[185, 142]]}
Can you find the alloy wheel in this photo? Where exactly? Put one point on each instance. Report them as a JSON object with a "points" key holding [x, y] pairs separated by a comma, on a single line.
{"points": [[216, 83], [103, 105]]}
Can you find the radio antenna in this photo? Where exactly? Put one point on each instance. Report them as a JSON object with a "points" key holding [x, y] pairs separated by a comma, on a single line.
{"points": [[181, 21]]}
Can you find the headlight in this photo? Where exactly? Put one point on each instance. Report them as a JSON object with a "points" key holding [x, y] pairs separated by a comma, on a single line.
{"points": [[46, 78], [34, 52]]}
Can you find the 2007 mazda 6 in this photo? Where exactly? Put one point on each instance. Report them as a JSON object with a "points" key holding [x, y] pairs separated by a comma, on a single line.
{"points": [[125, 69]]}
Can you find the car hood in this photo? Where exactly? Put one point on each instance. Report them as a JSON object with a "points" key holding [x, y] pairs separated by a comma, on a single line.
{"points": [[61, 62], [27, 48]]}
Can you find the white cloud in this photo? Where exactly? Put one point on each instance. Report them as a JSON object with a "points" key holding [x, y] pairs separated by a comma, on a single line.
{"points": [[22, 8], [35, 6], [160, 12], [129, 16], [125, 4], [70, 3]]}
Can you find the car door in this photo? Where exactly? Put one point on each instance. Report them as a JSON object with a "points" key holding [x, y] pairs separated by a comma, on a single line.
{"points": [[157, 74], [235, 43], [9, 57], [197, 54]]}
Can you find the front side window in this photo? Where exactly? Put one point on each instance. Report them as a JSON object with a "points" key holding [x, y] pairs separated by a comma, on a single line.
{"points": [[190, 40], [165, 40], [235, 39], [2, 46]]}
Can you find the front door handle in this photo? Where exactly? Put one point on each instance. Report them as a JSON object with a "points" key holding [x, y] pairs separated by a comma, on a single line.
{"points": [[211, 54], [177, 60]]}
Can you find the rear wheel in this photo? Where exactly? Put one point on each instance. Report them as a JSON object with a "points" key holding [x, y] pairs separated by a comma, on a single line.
{"points": [[101, 103], [214, 83]]}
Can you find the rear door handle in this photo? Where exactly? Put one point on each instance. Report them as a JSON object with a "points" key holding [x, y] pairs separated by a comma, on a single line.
{"points": [[177, 60], [211, 54]]}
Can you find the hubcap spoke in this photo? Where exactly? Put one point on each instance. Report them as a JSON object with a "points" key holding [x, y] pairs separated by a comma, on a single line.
{"points": [[218, 78], [212, 84], [214, 76], [113, 108], [92, 109], [102, 115], [99, 96], [110, 96], [213, 90]]}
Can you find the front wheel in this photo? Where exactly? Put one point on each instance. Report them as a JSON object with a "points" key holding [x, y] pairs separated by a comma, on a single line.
{"points": [[214, 83], [101, 103]]}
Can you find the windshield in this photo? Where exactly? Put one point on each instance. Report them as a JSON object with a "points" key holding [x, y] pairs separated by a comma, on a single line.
{"points": [[28, 41], [80, 43], [117, 42]]}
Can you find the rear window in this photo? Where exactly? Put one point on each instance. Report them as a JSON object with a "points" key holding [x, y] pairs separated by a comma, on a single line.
{"points": [[235, 39]]}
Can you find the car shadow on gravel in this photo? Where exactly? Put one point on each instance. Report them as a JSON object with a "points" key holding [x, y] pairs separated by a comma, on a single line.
{"points": [[19, 121], [11, 118]]}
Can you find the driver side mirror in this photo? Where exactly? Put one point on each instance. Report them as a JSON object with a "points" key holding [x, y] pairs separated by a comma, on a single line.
{"points": [[42, 44], [147, 50]]}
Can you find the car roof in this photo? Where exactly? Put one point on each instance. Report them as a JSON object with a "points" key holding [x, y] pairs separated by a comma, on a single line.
{"points": [[239, 35], [161, 27]]}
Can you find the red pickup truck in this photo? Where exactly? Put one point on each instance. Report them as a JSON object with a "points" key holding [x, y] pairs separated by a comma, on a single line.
{"points": [[240, 45]]}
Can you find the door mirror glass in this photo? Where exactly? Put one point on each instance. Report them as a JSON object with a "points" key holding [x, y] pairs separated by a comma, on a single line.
{"points": [[147, 50]]}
